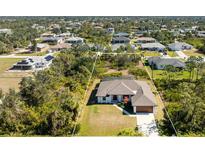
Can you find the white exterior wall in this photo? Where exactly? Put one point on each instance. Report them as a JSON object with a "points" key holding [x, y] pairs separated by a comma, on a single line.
{"points": [[134, 109], [119, 98], [100, 100]]}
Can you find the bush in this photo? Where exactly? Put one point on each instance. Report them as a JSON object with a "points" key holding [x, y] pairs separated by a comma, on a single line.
{"points": [[116, 74], [129, 132], [139, 73]]}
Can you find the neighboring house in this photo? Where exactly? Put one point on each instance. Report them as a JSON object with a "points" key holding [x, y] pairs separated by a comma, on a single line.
{"points": [[64, 35], [153, 46], [121, 34], [140, 33], [111, 30], [137, 93], [178, 46], [142, 40], [52, 40], [6, 31], [40, 47], [75, 40], [60, 47], [201, 33], [160, 63], [120, 40], [45, 35], [33, 63], [26, 64]]}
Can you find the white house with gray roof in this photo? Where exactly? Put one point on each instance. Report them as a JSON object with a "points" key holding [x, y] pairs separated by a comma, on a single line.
{"points": [[179, 46], [137, 93], [160, 63], [153, 46]]}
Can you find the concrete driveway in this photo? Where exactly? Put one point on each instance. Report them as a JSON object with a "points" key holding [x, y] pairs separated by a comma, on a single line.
{"points": [[181, 55], [146, 124]]}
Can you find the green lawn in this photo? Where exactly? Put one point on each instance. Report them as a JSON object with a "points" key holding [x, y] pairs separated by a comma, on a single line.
{"points": [[32, 54], [104, 120], [159, 74], [193, 53], [10, 79], [6, 63], [151, 53], [172, 53]]}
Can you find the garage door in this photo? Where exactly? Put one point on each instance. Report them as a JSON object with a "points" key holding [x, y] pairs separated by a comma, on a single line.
{"points": [[144, 109]]}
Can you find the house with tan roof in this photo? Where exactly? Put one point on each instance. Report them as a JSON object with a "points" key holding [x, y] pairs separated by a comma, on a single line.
{"points": [[129, 91]]}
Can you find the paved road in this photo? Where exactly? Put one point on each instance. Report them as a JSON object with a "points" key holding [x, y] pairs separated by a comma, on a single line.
{"points": [[146, 124]]}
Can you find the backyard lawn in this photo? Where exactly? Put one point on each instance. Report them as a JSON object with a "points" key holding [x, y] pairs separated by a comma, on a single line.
{"points": [[151, 53], [6, 63], [193, 53], [33, 54], [172, 53], [159, 74], [10, 79], [104, 120]]}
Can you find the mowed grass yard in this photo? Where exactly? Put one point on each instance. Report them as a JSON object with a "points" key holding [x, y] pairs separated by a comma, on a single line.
{"points": [[160, 74], [33, 54], [6, 63], [10, 79], [193, 52], [104, 120]]}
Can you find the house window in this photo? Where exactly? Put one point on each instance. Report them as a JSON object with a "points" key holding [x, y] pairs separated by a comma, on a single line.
{"points": [[104, 98], [114, 97]]}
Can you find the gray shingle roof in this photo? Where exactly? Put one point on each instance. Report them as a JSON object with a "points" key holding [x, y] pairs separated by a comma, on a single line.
{"points": [[153, 45], [144, 96], [140, 91], [179, 46], [166, 61]]}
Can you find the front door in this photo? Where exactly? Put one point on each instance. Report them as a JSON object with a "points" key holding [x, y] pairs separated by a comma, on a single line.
{"points": [[126, 99]]}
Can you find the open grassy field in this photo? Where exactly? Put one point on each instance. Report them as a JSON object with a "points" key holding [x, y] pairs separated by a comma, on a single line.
{"points": [[33, 54], [10, 79], [6, 63], [151, 53], [159, 74], [104, 120], [171, 53]]}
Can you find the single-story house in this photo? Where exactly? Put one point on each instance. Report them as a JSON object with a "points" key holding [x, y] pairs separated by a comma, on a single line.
{"points": [[153, 46], [61, 46], [201, 33], [136, 93], [25, 64], [160, 63], [120, 40], [140, 33], [45, 35], [64, 35], [121, 34], [41, 47], [33, 63], [178, 46], [6, 31], [141, 40], [111, 30], [51, 40], [74, 40]]}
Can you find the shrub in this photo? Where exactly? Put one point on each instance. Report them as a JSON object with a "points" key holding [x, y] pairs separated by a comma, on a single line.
{"points": [[139, 73], [129, 132]]}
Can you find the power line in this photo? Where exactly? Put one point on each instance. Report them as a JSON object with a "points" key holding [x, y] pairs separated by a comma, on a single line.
{"points": [[102, 53], [162, 103], [87, 86]]}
